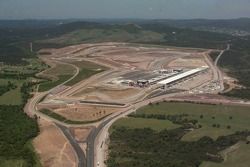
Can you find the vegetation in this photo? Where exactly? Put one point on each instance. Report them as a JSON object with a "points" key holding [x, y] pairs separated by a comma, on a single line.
{"points": [[51, 84], [16, 130], [58, 74], [87, 69], [235, 27], [133, 123], [136, 143], [148, 148], [6, 88], [237, 157], [148, 33], [65, 120], [214, 55], [180, 113], [111, 33], [236, 63], [188, 37], [13, 96]]}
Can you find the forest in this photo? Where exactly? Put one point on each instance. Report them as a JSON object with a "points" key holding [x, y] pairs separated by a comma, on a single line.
{"points": [[148, 148], [16, 130], [6, 88], [236, 62]]}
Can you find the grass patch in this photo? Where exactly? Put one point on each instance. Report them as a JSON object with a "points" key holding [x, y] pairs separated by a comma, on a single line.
{"points": [[83, 74], [51, 84], [87, 69], [12, 97], [34, 65], [142, 140], [154, 124], [238, 157], [229, 118], [65, 120], [12, 163], [62, 72], [30, 146], [60, 69]]}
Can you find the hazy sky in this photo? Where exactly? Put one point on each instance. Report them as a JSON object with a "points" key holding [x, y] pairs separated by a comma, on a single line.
{"points": [[43, 9]]}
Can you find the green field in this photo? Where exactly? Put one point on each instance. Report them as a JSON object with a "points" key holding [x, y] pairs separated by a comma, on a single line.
{"points": [[12, 97], [11, 73], [154, 124], [235, 158], [63, 72], [237, 117], [21, 162], [61, 69], [65, 120], [11, 163], [17, 131], [87, 69], [60, 73], [34, 65], [51, 84]]}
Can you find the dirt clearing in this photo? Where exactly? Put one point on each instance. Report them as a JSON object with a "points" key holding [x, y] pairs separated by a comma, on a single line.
{"points": [[53, 148], [85, 112]]}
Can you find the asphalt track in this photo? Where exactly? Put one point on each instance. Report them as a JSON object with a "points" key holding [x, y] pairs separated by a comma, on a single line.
{"points": [[80, 154], [91, 140]]}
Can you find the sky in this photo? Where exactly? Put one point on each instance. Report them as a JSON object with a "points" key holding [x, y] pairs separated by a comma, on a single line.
{"points": [[147, 9]]}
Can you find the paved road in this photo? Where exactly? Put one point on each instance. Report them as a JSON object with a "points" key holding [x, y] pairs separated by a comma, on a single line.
{"points": [[30, 108], [220, 76], [80, 154], [219, 56], [96, 150]]}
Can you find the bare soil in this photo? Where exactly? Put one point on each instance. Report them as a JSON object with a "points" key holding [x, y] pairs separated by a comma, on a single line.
{"points": [[192, 63], [53, 148], [81, 134], [85, 112]]}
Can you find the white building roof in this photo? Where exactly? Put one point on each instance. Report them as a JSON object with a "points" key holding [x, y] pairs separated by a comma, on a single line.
{"points": [[182, 75]]}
